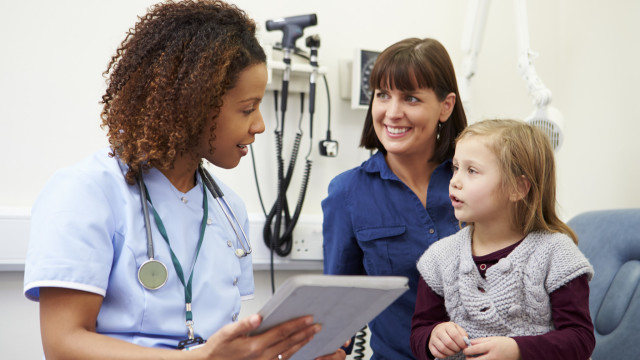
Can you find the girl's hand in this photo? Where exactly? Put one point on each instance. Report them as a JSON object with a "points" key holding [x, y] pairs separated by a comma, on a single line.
{"points": [[495, 347], [447, 339], [232, 341], [338, 355]]}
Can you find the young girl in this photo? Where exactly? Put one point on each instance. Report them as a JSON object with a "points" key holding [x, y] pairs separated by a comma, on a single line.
{"points": [[512, 284]]}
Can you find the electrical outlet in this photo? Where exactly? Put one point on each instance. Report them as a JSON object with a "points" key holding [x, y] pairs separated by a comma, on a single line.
{"points": [[329, 148], [307, 241]]}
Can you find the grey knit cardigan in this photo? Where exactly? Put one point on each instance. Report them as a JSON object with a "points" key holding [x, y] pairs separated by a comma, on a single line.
{"points": [[513, 300]]}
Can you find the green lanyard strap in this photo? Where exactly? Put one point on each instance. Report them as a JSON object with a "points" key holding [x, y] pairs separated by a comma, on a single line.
{"points": [[174, 259]]}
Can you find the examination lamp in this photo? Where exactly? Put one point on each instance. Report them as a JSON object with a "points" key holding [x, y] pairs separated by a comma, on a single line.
{"points": [[545, 117]]}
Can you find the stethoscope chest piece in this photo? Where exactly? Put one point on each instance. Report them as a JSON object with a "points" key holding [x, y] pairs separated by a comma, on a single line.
{"points": [[153, 274], [241, 253]]}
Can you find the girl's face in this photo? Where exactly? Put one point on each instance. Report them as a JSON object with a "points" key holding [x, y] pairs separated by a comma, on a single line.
{"points": [[475, 189], [406, 122], [239, 119]]}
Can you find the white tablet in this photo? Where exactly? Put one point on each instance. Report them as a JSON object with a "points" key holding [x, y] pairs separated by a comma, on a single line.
{"points": [[343, 304]]}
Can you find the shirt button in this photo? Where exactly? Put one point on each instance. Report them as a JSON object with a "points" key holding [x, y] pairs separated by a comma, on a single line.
{"points": [[184, 200], [209, 221], [234, 317], [431, 231], [235, 281], [229, 243], [483, 267]]}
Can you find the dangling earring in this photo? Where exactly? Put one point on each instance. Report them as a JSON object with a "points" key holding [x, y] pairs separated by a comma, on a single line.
{"points": [[438, 133]]}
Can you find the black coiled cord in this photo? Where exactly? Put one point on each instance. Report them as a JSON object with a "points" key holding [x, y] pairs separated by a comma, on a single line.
{"points": [[358, 346], [281, 245]]}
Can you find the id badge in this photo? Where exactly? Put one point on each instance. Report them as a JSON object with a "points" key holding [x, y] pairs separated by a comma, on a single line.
{"points": [[191, 344]]}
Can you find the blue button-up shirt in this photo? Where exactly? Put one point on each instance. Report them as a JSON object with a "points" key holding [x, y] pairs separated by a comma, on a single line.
{"points": [[374, 224]]}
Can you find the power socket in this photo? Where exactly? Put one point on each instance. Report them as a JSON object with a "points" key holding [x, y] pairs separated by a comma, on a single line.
{"points": [[307, 241], [329, 148]]}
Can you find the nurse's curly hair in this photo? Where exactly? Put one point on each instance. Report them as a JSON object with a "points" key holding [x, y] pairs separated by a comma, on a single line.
{"points": [[167, 79]]}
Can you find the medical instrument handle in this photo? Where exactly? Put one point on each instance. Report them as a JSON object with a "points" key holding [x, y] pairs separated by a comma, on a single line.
{"points": [[285, 84], [313, 42]]}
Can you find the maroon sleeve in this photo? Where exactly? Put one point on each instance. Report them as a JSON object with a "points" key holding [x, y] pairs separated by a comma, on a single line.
{"points": [[429, 312], [573, 335]]}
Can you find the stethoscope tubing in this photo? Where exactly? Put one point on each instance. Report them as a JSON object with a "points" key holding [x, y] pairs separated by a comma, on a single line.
{"points": [[147, 222], [217, 194]]}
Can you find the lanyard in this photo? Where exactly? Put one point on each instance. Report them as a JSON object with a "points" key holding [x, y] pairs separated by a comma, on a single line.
{"points": [[176, 264]]}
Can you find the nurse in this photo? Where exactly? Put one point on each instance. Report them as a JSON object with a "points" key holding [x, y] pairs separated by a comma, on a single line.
{"points": [[131, 256]]}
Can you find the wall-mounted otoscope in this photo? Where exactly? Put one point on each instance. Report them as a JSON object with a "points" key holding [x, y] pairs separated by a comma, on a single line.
{"points": [[280, 216], [292, 28]]}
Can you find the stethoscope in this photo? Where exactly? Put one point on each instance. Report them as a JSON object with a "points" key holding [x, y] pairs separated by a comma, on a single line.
{"points": [[153, 274]]}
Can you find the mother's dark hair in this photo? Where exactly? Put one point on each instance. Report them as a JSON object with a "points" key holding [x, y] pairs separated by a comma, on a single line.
{"points": [[426, 62], [167, 79]]}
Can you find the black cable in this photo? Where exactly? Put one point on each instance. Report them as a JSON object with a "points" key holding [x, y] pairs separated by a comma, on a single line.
{"points": [[326, 86], [271, 245], [282, 244], [358, 346], [278, 244], [255, 176]]}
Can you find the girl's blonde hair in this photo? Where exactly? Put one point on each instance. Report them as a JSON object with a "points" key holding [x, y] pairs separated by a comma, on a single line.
{"points": [[524, 150]]}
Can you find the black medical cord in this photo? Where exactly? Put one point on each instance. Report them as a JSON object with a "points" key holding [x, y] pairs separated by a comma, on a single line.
{"points": [[255, 176], [358, 346], [282, 244]]}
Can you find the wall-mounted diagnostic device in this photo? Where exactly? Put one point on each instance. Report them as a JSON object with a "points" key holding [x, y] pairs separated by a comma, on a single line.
{"points": [[361, 91], [298, 71]]}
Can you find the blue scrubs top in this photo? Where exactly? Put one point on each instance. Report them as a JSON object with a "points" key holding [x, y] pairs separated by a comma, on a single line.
{"points": [[374, 224], [88, 233]]}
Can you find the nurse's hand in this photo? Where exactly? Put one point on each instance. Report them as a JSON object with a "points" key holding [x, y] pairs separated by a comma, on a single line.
{"points": [[232, 341]]}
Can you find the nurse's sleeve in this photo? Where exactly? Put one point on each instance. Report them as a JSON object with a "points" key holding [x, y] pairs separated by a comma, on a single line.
{"points": [[70, 245], [341, 252]]}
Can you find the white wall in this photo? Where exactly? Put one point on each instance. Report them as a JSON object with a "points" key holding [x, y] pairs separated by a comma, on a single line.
{"points": [[53, 53]]}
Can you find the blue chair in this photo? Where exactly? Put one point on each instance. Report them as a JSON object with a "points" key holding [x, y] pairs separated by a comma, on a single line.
{"points": [[610, 239]]}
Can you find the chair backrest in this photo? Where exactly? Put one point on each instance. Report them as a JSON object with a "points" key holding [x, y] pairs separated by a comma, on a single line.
{"points": [[610, 239]]}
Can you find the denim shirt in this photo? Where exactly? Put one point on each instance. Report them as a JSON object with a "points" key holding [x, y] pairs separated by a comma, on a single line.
{"points": [[374, 224]]}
